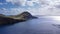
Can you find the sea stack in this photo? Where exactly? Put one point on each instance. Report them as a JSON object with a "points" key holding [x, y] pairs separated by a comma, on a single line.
{"points": [[4, 20]]}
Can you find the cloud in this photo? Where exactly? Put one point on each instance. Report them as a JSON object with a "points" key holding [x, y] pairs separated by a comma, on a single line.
{"points": [[46, 7], [23, 2], [12, 11], [18, 2], [2, 3]]}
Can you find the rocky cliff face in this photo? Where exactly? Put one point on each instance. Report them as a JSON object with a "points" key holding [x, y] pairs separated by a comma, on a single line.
{"points": [[15, 18], [23, 16], [26, 15]]}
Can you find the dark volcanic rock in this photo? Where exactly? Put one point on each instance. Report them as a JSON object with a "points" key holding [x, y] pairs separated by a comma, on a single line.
{"points": [[14, 19]]}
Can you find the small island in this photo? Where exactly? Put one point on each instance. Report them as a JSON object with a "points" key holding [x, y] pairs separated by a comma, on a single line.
{"points": [[24, 16]]}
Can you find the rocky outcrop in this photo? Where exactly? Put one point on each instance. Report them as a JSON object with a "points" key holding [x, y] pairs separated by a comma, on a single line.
{"points": [[26, 15], [15, 18]]}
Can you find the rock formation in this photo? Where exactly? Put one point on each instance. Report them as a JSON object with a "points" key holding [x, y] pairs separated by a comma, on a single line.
{"points": [[15, 18]]}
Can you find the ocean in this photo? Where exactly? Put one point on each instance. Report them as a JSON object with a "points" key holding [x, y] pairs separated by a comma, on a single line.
{"points": [[41, 25]]}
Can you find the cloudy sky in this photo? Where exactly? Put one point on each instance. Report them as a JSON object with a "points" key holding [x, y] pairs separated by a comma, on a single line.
{"points": [[35, 7]]}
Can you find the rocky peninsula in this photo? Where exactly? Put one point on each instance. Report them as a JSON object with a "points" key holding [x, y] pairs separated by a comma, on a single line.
{"points": [[24, 16]]}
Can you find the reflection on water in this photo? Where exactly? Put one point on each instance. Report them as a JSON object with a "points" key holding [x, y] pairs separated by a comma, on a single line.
{"points": [[43, 25]]}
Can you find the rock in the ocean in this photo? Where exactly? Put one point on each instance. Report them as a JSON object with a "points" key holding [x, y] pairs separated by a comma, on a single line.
{"points": [[15, 18]]}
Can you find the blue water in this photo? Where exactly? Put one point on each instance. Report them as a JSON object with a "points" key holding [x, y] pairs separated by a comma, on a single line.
{"points": [[42, 25]]}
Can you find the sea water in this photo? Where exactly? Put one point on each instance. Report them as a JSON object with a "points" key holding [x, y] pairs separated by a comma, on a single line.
{"points": [[41, 25]]}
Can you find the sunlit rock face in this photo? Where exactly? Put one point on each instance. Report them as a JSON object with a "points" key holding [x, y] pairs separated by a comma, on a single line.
{"points": [[15, 18]]}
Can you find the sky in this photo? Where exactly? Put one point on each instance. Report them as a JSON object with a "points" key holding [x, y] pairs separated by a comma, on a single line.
{"points": [[35, 7]]}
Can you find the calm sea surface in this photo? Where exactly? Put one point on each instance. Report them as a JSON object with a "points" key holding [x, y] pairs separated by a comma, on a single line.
{"points": [[42, 25]]}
